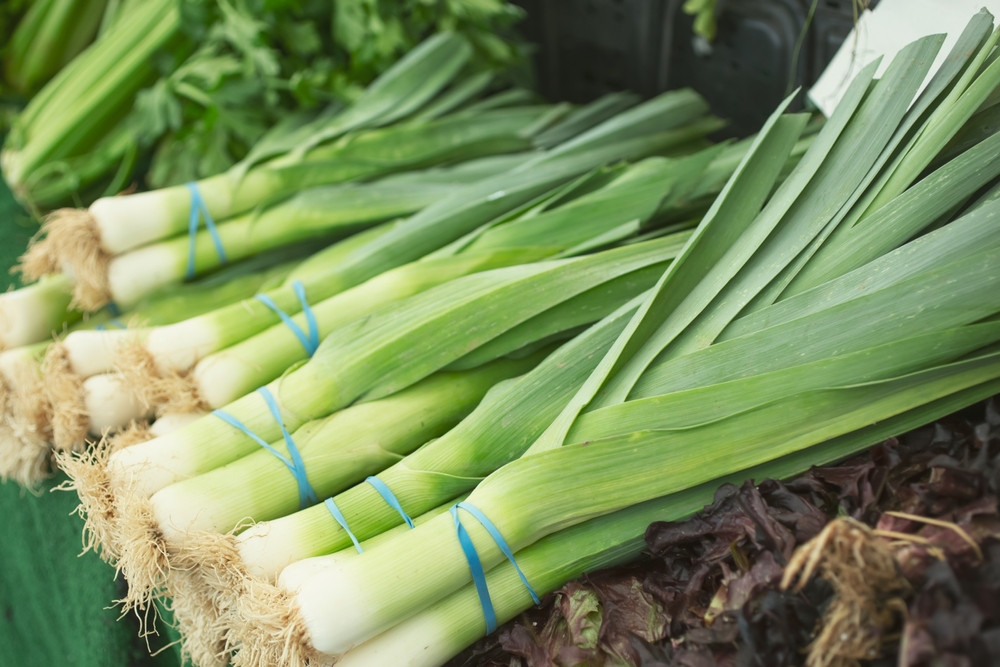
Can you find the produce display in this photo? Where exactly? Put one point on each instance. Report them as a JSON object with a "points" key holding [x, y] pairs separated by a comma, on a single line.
{"points": [[377, 385]]}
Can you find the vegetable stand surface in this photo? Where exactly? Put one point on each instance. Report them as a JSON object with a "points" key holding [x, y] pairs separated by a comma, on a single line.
{"points": [[54, 602]]}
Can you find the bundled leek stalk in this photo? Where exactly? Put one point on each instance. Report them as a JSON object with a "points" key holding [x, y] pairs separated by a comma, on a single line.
{"points": [[435, 634], [346, 365], [337, 149], [85, 391], [641, 188], [906, 336], [37, 311], [238, 369], [634, 193], [192, 86], [33, 313]]}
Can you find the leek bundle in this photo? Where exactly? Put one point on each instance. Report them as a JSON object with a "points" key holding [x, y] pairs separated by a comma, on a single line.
{"points": [[330, 150]]}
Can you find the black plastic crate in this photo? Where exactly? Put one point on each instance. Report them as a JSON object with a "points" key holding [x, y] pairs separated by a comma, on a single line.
{"points": [[763, 50]]}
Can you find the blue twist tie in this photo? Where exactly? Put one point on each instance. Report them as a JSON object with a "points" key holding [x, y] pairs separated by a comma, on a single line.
{"points": [[116, 323], [309, 342], [294, 462], [390, 498], [476, 565], [198, 211], [339, 518]]}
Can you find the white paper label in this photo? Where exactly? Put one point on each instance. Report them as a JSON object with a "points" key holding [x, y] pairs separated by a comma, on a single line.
{"points": [[884, 31]]}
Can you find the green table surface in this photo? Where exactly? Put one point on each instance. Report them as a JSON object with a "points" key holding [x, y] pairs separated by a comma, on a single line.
{"points": [[55, 604]]}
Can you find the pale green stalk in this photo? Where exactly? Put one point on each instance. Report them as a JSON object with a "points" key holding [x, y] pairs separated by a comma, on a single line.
{"points": [[312, 214], [718, 276], [273, 168], [688, 406], [976, 83], [972, 232], [944, 278], [630, 198], [935, 107], [42, 309], [658, 125], [366, 155], [791, 218], [737, 204], [93, 347], [905, 216], [179, 346], [833, 179]]}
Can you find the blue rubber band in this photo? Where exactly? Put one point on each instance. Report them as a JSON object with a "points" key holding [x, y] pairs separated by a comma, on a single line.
{"points": [[118, 324], [311, 341], [476, 566], [390, 498], [198, 211], [294, 462], [339, 518], [501, 543], [113, 309]]}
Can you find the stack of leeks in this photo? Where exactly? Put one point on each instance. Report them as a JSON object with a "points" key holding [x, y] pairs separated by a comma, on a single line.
{"points": [[804, 318], [521, 161]]}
